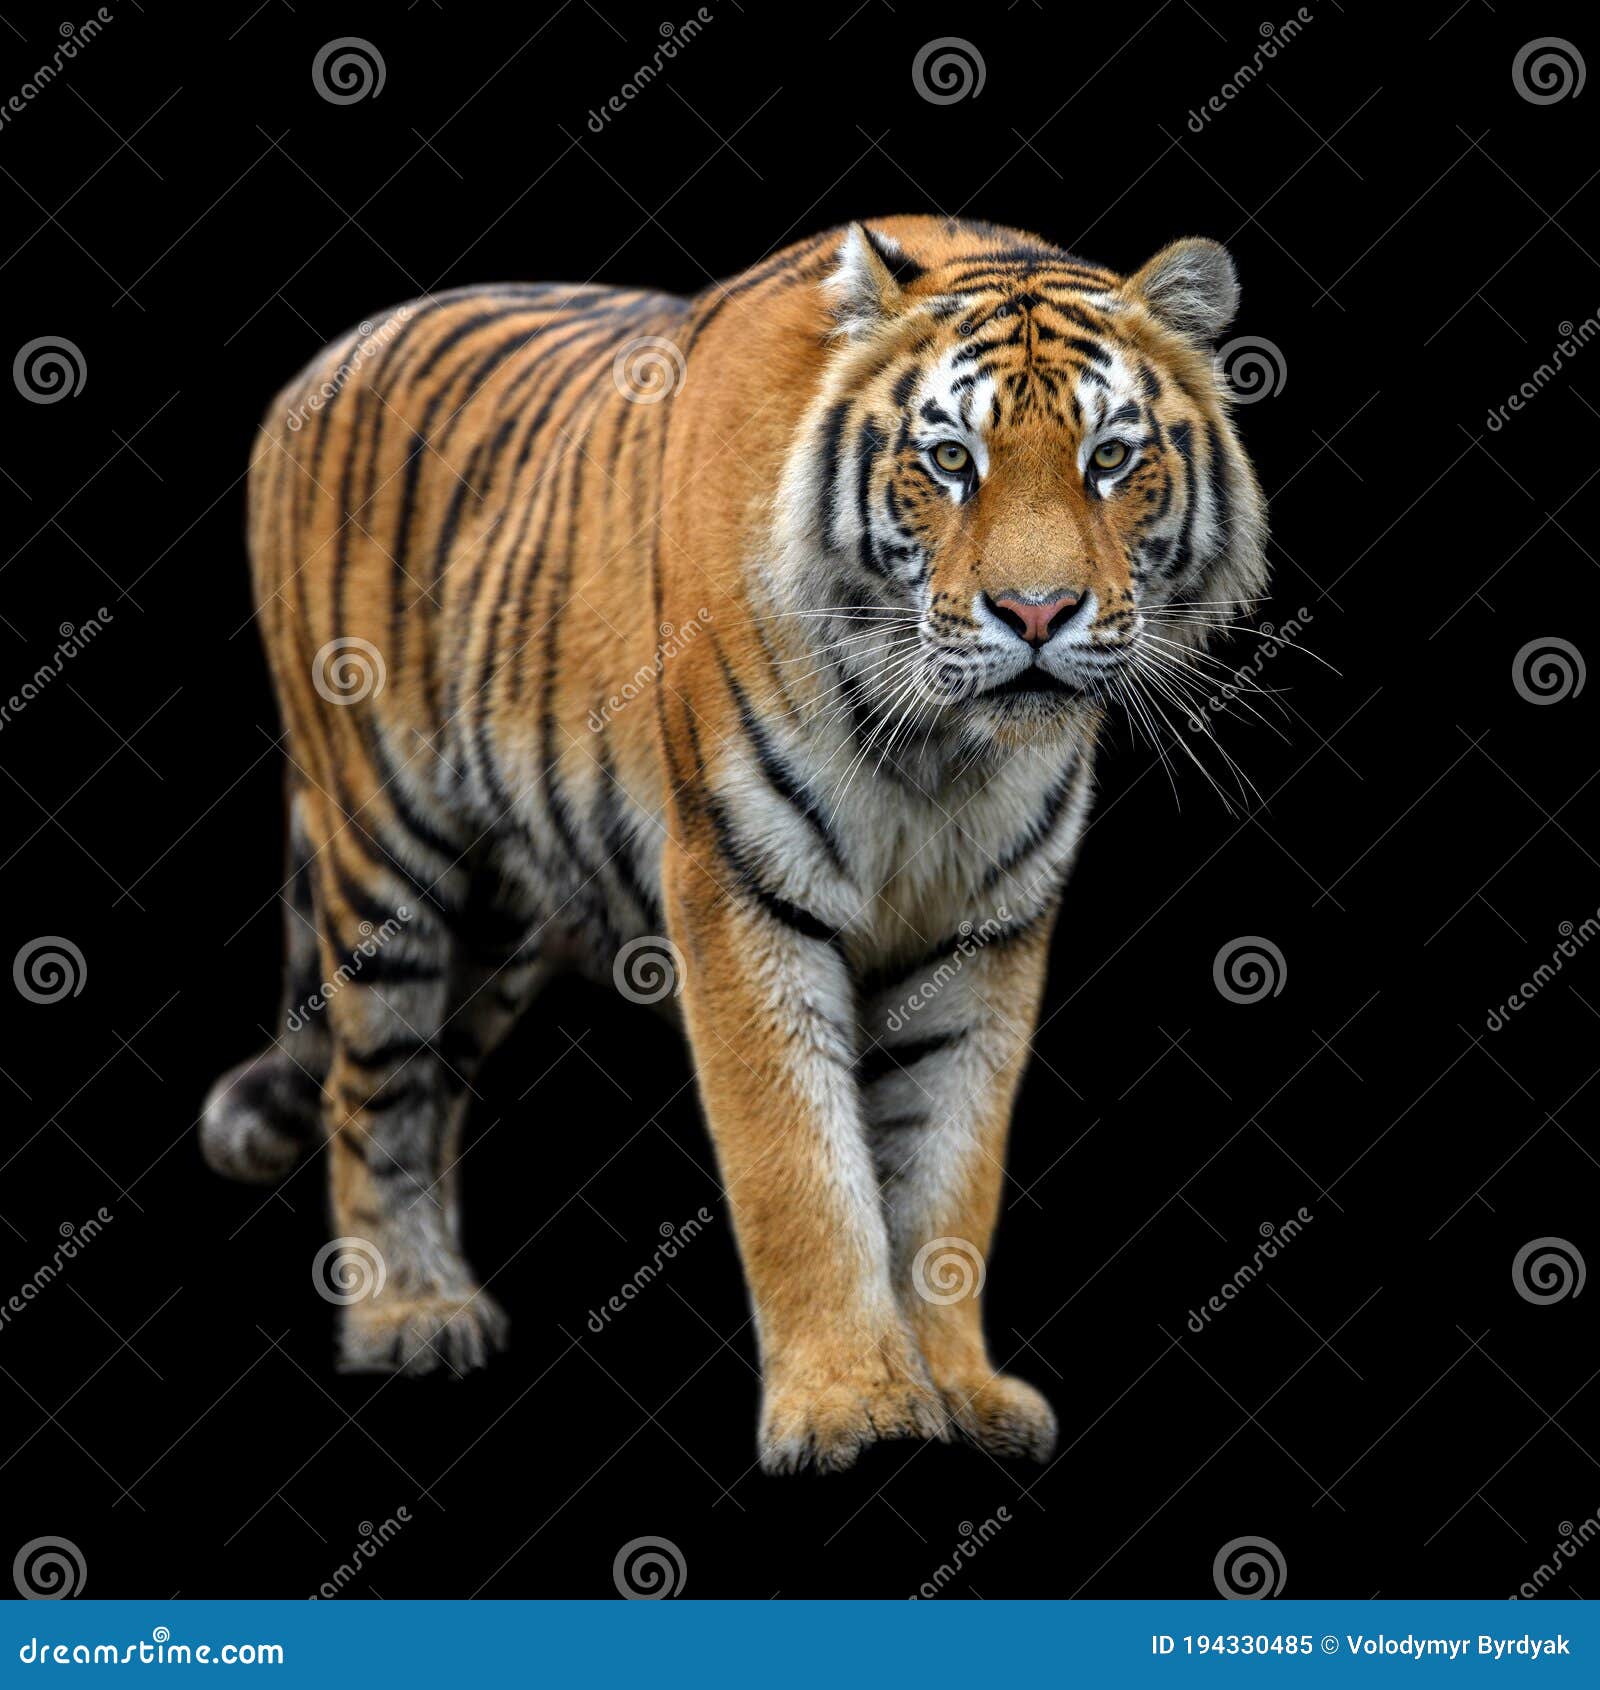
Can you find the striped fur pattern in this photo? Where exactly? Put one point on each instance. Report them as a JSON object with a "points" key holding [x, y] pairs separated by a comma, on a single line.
{"points": [[795, 655]]}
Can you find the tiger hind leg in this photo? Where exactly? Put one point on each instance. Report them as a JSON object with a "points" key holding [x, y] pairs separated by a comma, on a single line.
{"points": [[265, 1114]]}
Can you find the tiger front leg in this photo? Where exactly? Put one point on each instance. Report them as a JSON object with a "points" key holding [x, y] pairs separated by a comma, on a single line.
{"points": [[769, 1012], [949, 1044]]}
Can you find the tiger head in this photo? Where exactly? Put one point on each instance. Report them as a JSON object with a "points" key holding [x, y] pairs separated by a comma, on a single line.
{"points": [[1021, 474]]}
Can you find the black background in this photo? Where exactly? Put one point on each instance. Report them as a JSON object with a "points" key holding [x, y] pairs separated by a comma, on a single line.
{"points": [[1381, 1406]]}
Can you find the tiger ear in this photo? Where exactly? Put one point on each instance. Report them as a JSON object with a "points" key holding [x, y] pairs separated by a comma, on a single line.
{"points": [[861, 291], [1191, 286]]}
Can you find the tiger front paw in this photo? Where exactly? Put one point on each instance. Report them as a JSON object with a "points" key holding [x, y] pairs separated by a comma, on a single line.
{"points": [[1005, 1416], [825, 1423], [422, 1334]]}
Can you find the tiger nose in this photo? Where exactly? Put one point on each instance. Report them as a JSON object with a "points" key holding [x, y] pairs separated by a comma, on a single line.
{"points": [[1034, 620]]}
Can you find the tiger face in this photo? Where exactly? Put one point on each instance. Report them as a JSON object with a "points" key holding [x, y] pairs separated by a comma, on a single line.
{"points": [[1024, 469]]}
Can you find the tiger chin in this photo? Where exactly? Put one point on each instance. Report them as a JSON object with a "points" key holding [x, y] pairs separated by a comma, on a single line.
{"points": [[773, 629]]}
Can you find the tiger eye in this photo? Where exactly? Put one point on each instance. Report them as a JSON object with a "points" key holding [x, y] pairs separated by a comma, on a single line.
{"points": [[951, 456], [1110, 454]]}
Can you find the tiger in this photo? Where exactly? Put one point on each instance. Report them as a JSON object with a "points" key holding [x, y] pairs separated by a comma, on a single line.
{"points": [[773, 630]]}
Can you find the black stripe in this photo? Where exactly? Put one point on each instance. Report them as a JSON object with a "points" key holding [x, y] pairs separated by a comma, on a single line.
{"points": [[882, 1060]]}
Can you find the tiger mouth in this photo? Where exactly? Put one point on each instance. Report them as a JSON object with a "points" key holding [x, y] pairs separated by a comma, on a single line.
{"points": [[1033, 682]]}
